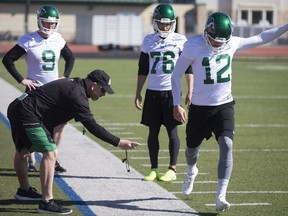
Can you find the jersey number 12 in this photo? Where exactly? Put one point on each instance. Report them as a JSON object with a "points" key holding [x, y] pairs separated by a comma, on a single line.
{"points": [[220, 78]]}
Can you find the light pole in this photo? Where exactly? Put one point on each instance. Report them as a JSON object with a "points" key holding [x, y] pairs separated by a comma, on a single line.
{"points": [[26, 15]]}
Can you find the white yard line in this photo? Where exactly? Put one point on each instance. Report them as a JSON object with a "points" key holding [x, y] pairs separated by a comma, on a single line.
{"points": [[135, 124], [263, 97], [236, 192], [243, 204], [163, 165], [196, 182], [205, 150]]}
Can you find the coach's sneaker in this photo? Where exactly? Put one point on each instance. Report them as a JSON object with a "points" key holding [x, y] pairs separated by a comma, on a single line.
{"points": [[170, 175], [187, 186], [30, 194], [154, 174], [50, 207], [59, 168], [222, 204]]}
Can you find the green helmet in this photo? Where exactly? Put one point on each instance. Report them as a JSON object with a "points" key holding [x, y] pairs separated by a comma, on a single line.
{"points": [[219, 27], [48, 14], [164, 13]]}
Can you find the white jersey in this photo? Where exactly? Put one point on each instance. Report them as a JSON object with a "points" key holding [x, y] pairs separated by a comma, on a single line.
{"points": [[42, 56], [163, 54], [212, 70]]}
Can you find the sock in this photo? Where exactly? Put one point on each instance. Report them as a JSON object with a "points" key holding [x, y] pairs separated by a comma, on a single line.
{"points": [[222, 187], [191, 169], [47, 201], [171, 168]]}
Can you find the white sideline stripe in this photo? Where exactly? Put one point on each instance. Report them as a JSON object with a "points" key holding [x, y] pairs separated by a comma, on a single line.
{"points": [[237, 192], [134, 124], [243, 204]]}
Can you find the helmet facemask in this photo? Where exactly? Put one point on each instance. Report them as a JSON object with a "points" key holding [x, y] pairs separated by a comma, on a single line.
{"points": [[217, 49], [163, 33], [48, 14], [218, 29], [165, 14]]}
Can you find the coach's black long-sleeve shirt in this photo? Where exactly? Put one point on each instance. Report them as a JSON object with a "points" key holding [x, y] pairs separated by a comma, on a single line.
{"points": [[58, 102]]}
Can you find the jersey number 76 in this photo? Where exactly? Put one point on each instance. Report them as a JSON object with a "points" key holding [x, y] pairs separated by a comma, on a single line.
{"points": [[168, 63]]}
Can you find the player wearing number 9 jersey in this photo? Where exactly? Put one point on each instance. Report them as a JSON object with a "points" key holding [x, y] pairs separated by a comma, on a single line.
{"points": [[159, 52], [41, 50], [212, 107]]}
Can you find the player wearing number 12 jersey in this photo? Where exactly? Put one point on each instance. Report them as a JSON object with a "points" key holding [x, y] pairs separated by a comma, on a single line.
{"points": [[41, 50], [212, 107], [159, 52]]}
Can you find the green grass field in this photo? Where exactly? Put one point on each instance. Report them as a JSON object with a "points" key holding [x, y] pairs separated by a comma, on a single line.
{"points": [[258, 185]]}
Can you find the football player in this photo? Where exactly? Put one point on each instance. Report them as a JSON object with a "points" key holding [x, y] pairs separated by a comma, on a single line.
{"points": [[159, 52], [212, 104], [41, 50]]}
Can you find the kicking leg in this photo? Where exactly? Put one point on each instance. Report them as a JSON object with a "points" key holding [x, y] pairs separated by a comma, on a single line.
{"points": [[192, 156]]}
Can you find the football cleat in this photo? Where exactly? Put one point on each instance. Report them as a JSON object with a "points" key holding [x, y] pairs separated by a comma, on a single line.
{"points": [[170, 175], [153, 175], [222, 204], [187, 186]]}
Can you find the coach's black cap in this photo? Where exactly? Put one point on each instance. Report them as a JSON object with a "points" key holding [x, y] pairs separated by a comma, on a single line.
{"points": [[102, 78]]}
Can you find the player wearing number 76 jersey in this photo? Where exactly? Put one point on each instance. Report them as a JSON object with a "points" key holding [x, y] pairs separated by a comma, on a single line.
{"points": [[159, 52], [212, 107]]}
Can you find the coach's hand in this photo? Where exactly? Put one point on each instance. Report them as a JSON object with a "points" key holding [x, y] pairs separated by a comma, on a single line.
{"points": [[126, 144], [179, 113]]}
